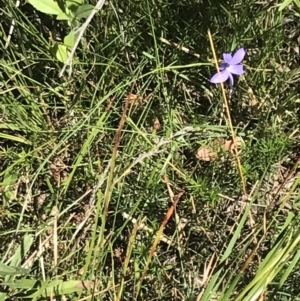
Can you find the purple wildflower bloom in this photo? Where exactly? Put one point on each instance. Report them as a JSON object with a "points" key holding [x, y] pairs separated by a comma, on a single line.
{"points": [[231, 65]]}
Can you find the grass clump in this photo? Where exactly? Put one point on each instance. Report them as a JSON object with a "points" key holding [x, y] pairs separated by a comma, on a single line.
{"points": [[121, 181]]}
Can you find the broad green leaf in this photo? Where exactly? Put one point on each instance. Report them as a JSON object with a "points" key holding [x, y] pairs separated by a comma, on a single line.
{"points": [[14, 138], [9, 270], [10, 177], [69, 40], [148, 55], [62, 16], [48, 7], [9, 126], [83, 11], [231, 288], [290, 268], [22, 250], [284, 4], [60, 51], [47, 288], [74, 23], [21, 283], [74, 4], [213, 285], [60, 287], [236, 234], [272, 267]]}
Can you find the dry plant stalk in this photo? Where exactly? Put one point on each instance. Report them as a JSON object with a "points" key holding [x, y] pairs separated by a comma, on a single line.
{"points": [[157, 239], [81, 31]]}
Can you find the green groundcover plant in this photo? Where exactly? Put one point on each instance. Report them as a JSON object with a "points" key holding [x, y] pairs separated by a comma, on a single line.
{"points": [[142, 175]]}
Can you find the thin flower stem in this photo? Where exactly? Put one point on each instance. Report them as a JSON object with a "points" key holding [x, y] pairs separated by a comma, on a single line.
{"points": [[229, 118]]}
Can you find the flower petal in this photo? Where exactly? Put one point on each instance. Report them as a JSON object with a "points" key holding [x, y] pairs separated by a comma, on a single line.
{"points": [[227, 57], [223, 66], [238, 56], [220, 77], [236, 69], [231, 81]]}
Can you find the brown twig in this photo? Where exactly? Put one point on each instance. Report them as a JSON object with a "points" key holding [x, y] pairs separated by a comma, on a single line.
{"points": [[117, 138], [157, 238]]}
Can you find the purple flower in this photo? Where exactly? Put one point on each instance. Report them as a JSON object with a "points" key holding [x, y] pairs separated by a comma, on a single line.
{"points": [[231, 65]]}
